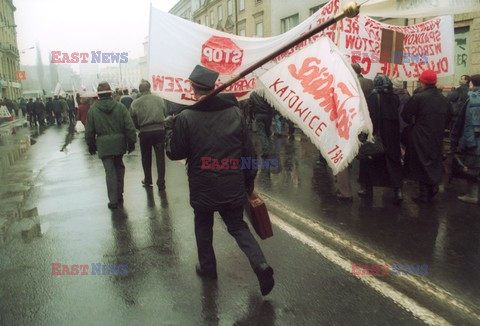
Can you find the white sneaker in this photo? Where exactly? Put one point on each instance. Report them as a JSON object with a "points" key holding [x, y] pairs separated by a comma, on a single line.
{"points": [[468, 199]]}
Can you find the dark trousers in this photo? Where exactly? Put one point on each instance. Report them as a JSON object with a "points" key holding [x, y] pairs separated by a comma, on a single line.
{"points": [[236, 226], [58, 117], [114, 175], [155, 140]]}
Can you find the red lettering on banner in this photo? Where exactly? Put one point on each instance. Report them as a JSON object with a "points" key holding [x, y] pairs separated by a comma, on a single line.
{"points": [[293, 102], [318, 82], [157, 82], [169, 81]]}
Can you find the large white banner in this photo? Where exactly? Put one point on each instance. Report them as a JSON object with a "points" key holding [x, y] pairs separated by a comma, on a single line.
{"points": [[177, 45], [316, 89]]}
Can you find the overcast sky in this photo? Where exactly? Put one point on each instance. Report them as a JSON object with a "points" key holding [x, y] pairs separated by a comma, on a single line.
{"points": [[83, 26]]}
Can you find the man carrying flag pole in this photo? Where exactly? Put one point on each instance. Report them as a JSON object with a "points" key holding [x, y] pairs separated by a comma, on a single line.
{"points": [[305, 90]]}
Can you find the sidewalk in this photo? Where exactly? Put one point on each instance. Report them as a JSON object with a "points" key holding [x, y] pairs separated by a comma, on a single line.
{"points": [[17, 219], [444, 235]]}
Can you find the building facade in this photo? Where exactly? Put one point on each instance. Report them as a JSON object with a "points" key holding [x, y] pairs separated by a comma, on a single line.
{"points": [[183, 8], [9, 54]]}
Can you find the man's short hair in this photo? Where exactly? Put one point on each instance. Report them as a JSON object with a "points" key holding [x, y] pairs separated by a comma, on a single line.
{"points": [[475, 80], [144, 86], [125, 92]]}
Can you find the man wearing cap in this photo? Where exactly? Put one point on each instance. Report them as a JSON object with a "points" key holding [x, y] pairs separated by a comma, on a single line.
{"points": [[148, 114], [215, 128], [427, 113], [109, 129]]}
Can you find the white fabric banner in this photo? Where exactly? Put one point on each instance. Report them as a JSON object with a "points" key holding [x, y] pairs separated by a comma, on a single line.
{"points": [[316, 88], [417, 8], [177, 45]]}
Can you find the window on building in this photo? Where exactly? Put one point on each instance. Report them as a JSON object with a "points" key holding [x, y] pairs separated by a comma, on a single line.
{"points": [[259, 29], [315, 9], [241, 5], [289, 23], [230, 7], [241, 32], [206, 20], [219, 13], [211, 18]]}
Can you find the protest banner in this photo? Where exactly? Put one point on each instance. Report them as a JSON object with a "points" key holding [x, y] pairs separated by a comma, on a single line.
{"points": [[316, 88], [177, 45]]}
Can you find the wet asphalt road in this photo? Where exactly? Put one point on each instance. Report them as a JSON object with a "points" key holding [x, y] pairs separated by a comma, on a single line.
{"points": [[445, 235], [153, 235]]}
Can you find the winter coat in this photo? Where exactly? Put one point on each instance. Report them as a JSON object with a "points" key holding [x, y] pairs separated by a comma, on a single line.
{"points": [[126, 100], [148, 112], [57, 106], [403, 96], [39, 107], [49, 107], [366, 85], [30, 107], [386, 170], [470, 139], [259, 105], [427, 112], [216, 129], [109, 127]]}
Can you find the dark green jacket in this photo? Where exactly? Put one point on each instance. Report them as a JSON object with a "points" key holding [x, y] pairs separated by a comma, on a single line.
{"points": [[109, 127]]}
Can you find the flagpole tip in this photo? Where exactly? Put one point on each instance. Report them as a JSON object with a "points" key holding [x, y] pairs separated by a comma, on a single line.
{"points": [[351, 9]]}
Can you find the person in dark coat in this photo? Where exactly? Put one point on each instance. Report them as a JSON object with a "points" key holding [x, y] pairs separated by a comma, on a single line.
{"points": [[110, 130], [49, 111], [214, 129], [57, 110], [23, 107], [31, 112], [465, 137], [386, 170], [365, 83], [403, 96], [458, 96], [71, 110], [426, 112], [263, 113], [39, 112]]}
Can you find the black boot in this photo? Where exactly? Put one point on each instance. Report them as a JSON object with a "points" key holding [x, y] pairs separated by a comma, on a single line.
{"points": [[265, 278]]}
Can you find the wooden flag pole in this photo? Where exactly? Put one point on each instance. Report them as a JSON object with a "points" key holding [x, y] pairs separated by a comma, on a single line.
{"points": [[350, 10]]}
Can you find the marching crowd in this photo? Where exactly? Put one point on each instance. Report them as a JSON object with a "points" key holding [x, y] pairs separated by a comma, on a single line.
{"points": [[409, 142]]}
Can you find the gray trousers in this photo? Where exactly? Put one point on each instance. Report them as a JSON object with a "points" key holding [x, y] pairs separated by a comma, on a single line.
{"points": [[236, 226], [114, 175]]}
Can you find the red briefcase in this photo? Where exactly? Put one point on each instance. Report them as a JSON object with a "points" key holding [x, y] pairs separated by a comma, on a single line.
{"points": [[258, 216]]}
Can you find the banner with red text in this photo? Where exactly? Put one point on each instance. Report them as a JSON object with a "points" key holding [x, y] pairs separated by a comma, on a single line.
{"points": [[177, 45], [317, 89]]}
